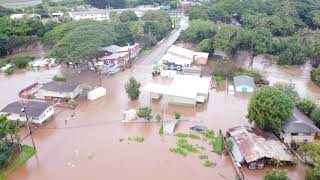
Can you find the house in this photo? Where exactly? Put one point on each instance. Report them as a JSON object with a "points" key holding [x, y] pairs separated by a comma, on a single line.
{"points": [[256, 147], [185, 90], [120, 56], [244, 84], [60, 90], [196, 57], [298, 129], [37, 111]]}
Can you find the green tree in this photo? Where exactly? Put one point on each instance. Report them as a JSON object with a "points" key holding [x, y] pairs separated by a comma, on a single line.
{"points": [[315, 116], [133, 88], [128, 16], [269, 107], [276, 175], [206, 45], [145, 113], [306, 105], [315, 75], [226, 38], [289, 90]]}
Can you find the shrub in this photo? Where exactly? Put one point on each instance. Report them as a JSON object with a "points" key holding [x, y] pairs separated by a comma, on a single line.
{"points": [[218, 144], [72, 103], [276, 175], [230, 144], [179, 150], [315, 116], [59, 78], [208, 163], [193, 136], [185, 145], [181, 135], [145, 113], [202, 157], [217, 79], [161, 130], [315, 75], [139, 139], [133, 89], [9, 71], [306, 106], [177, 115], [21, 62], [208, 134]]}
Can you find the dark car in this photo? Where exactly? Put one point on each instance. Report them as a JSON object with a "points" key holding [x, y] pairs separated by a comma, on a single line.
{"points": [[199, 128]]}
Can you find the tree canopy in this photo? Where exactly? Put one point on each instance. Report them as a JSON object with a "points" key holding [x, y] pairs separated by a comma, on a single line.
{"points": [[269, 107], [102, 4]]}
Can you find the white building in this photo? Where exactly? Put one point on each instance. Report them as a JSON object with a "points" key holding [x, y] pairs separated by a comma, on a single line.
{"points": [[195, 57], [100, 15], [37, 111], [186, 90]]}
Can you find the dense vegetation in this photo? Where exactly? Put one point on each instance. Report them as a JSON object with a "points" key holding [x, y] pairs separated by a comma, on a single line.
{"points": [[255, 25], [19, 62], [79, 41], [311, 150], [276, 175], [133, 88]]}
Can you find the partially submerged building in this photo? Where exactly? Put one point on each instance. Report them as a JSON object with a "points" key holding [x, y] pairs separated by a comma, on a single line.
{"points": [[186, 90], [119, 56], [37, 111], [257, 147], [244, 84], [60, 90], [299, 129]]}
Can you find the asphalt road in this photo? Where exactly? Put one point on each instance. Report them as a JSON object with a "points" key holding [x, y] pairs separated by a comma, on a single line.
{"points": [[160, 49]]}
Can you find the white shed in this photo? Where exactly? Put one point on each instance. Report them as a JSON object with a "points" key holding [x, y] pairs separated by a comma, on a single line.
{"points": [[244, 84], [97, 93]]}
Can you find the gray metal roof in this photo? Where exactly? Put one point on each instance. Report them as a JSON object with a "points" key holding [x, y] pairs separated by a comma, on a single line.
{"points": [[111, 48], [60, 86], [299, 123], [244, 80], [33, 108]]}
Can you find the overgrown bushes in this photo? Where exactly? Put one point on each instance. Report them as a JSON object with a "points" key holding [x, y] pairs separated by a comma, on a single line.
{"points": [[315, 75], [145, 113], [59, 78], [306, 106]]}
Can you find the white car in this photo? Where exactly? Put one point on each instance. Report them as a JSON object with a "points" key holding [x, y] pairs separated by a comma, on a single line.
{"points": [[230, 89]]}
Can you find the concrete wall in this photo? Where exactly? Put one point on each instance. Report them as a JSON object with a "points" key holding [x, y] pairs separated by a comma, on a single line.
{"points": [[300, 138], [68, 95], [249, 89], [168, 73], [181, 101]]}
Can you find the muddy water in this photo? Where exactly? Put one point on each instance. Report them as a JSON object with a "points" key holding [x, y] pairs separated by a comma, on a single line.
{"points": [[37, 51], [88, 146], [298, 75]]}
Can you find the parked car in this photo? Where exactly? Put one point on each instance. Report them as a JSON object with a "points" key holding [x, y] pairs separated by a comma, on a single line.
{"points": [[199, 128]]}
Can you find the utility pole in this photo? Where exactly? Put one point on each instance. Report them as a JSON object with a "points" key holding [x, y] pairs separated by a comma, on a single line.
{"points": [[28, 125]]}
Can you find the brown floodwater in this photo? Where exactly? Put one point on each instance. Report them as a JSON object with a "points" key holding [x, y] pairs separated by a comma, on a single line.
{"points": [[37, 51], [88, 146], [297, 75]]}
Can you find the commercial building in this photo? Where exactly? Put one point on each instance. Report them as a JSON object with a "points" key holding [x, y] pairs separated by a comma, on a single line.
{"points": [[186, 90], [37, 111], [195, 57]]}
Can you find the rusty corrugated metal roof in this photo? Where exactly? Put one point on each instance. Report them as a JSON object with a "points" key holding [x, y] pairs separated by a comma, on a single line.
{"points": [[255, 144]]}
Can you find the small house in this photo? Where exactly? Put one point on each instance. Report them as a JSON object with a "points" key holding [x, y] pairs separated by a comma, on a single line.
{"points": [[60, 90], [36, 111], [298, 129], [244, 84]]}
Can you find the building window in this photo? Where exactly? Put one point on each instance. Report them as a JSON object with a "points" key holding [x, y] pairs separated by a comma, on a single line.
{"points": [[307, 134], [294, 134]]}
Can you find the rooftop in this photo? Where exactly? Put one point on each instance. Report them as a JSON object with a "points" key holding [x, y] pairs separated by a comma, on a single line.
{"points": [[176, 59], [111, 48], [60, 86], [254, 144], [32, 108], [244, 80], [299, 123], [115, 56], [186, 52]]}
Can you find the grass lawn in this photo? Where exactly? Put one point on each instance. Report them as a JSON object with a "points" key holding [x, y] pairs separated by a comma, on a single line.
{"points": [[28, 152]]}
